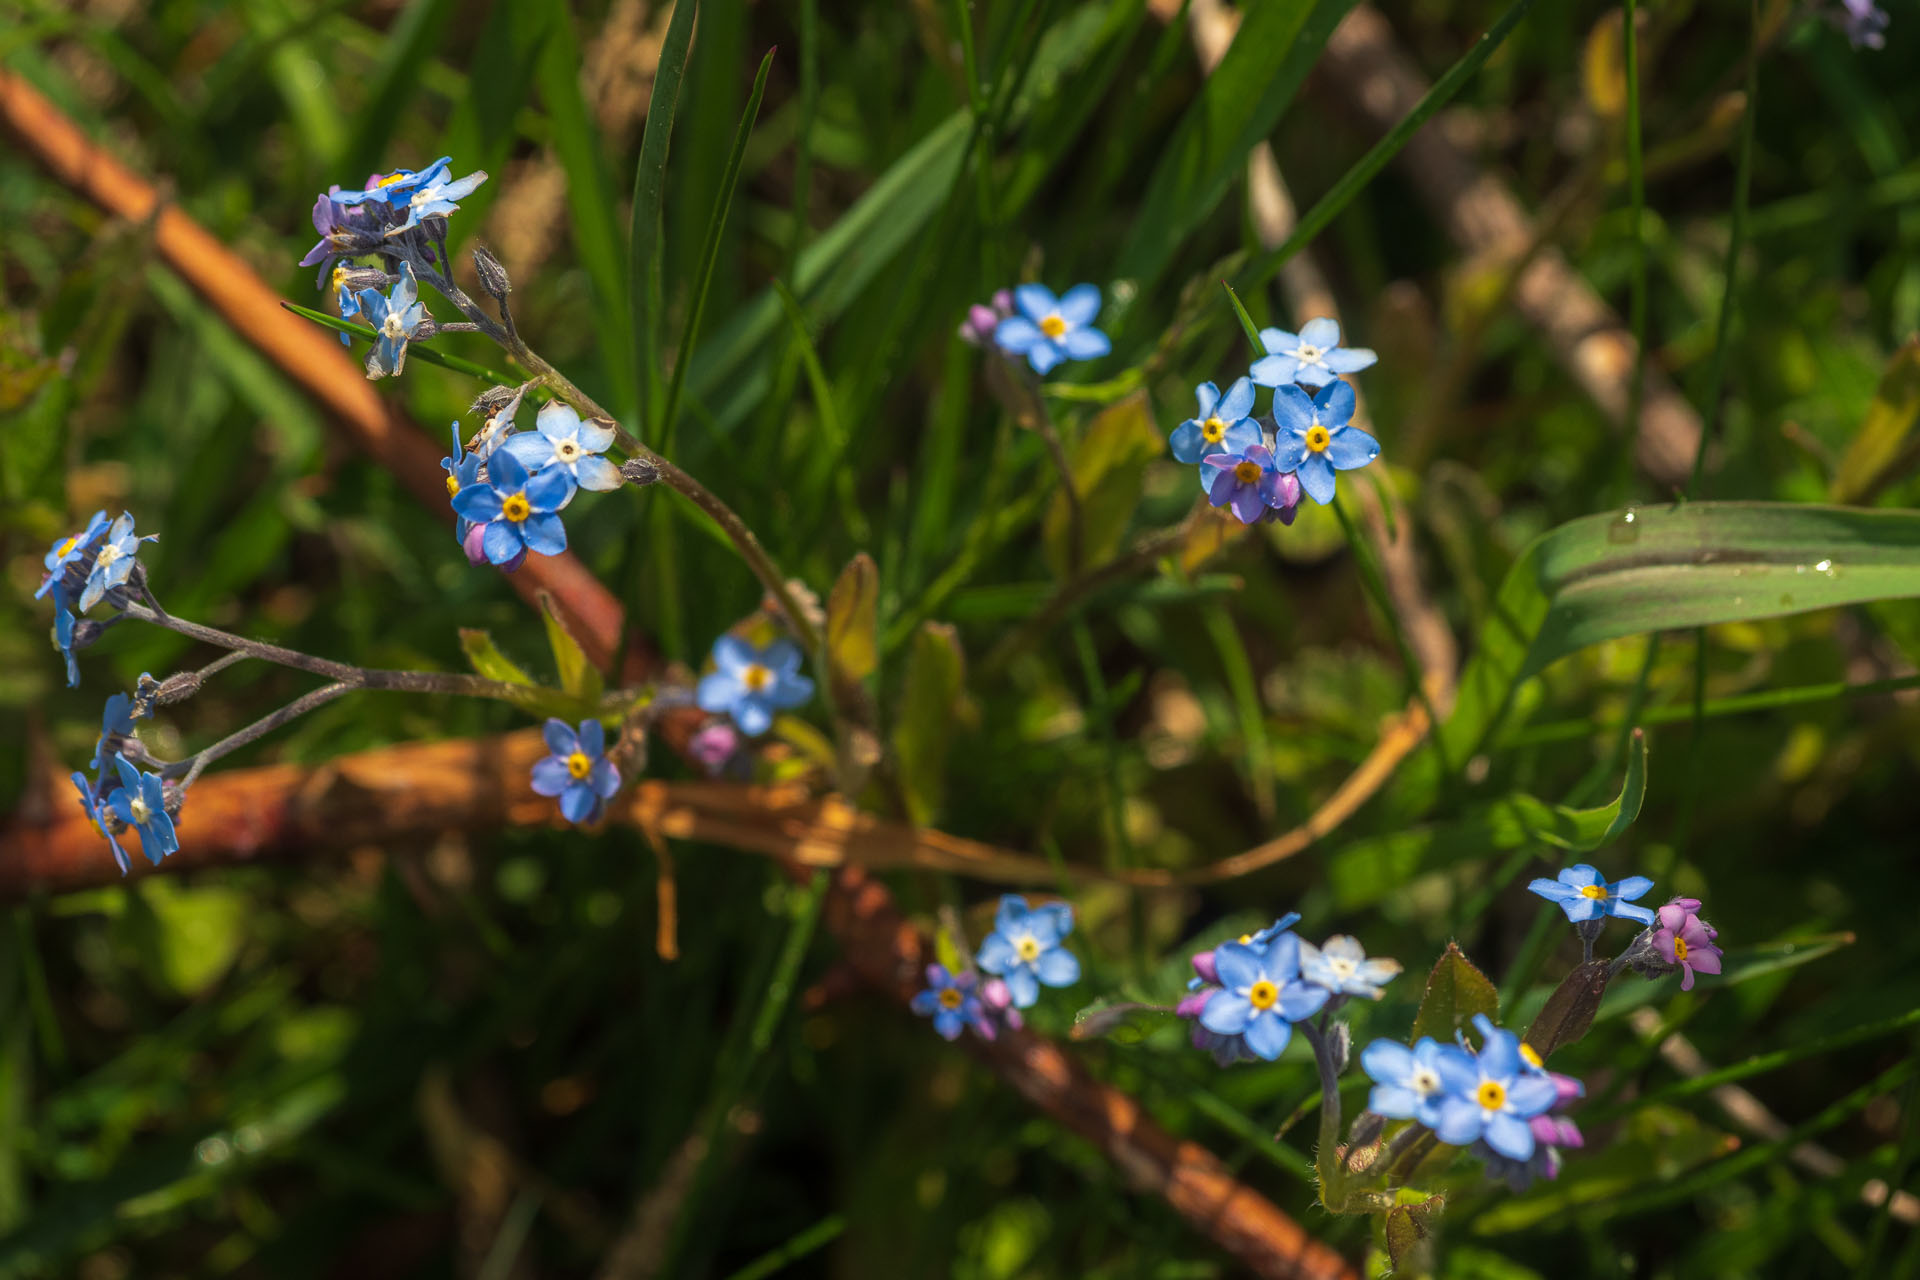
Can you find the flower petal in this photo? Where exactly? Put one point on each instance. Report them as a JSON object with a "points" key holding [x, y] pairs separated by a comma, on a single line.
{"points": [[557, 421], [579, 804], [1300, 1000], [549, 491], [596, 474], [501, 542], [1267, 1035], [551, 776], [1080, 304], [1632, 887], [1387, 1061], [753, 715], [1015, 334], [1044, 355], [1279, 341], [1058, 967], [507, 473], [1334, 404], [1274, 371], [1321, 332], [1036, 301], [1293, 409], [1022, 986], [544, 533], [1350, 359], [561, 739], [1510, 1136], [1226, 1014], [530, 449], [1242, 436], [717, 691], [1351, 447], [1316, 477], [996, 954], [593, 738], [1206, 395], [1238, 402], [1238, 966], [1460, 1122], [1188, 442], [1085, 344], [733, 655]]}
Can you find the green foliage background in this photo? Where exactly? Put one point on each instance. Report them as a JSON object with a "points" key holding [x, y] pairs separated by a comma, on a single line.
{"points": [[305, 1071]]}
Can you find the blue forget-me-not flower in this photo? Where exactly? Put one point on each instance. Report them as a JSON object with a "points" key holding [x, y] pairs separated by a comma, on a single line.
{"points": [[1026, 948], [1048, 330], [520, 511], [952, 1000], [64, 559], [1406, 1082], [1492, 1094], [1584, 894], [1261, 995], [1314, 437], [396, 188], [1224, 424], [561, 440], [1342, 967], [395, 318], [97, 810], [578, 771], [751, 684], [141, 804], [437, 196], [1313, 356], [115, 562]]}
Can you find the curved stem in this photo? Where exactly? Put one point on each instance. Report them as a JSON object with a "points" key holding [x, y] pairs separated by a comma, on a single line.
{"points": [[199, 760]]}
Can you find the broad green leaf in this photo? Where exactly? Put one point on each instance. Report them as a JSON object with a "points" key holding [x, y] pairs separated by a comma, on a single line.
{"points": [[1107, 467], [852, 619], [1887, 442], [487, 659], [644, 235], [929, 705], [1238, 107], [1455, 992], [578, 676], [1368, 870], [1569, 1011]]}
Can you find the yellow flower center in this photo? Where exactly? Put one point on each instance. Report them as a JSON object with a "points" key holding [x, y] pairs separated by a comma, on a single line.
{"points": [[579, 765], [1212, 429], [756, 677], [453, 484], [950, 998], [340, 276], [516, 508], [1263, 994], [1028, 948], [1246, 939], [66, 546], [1053, 326], [1492, 1095], [1246, 472], [1532, 1055], [1595, 891], [392, 178], [1318, 438], [1679, 948]]}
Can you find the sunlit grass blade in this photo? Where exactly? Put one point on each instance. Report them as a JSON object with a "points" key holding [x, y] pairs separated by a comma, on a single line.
{"points": [[644, 235], [1363, 171], [415, 351], [409, 42]]}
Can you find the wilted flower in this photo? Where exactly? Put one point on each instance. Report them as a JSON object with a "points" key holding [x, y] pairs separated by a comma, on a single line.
{"points": [[1048, 330], [1313, 356], [1342, 967], [396, 318], [1223, 425], [1026, 948], [750, 684], [1584, 894], [563, 441], [578, 771], [1314, 437]]}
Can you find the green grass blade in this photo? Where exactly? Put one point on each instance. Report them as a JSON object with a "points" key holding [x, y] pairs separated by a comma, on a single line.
{"points": [[1342, 192], [414, 350], [644, 234], [408, 44]]}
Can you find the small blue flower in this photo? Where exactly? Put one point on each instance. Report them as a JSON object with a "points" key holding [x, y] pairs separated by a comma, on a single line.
{"points": [[562, 440], [396, 188], [578, 771], [439, 196], [1313, 356], [63, 624], [346, 297], [97, 810], [1025, 948], [395, 319], [141, 804], [463, 469], [114, 563], [1406, 1082], [1584, 894], [1049, 330], [519, 511], [952, 1000], [1342, 967], [64, 560], [1493, 1094], [1251, 482], [1314, 437], [116, 721], [1223, 425], [1261, 995], [750, 684]]}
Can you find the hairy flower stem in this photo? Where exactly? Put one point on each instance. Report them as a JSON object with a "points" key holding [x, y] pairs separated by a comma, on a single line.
{"points": [[732, 525], [199, 760], [1326, 1155]]}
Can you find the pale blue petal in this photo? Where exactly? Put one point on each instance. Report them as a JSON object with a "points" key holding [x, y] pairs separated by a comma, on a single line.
{"points": [[1207, 395], [1316, 477], [1238, 402], [1510, 1136], [557, 421], [1079, 305], [734, 655], [1241, 436], [593, 738], [1351, 447], [1274, 371], [529, 449], [1226, 1014], [717, 691], [1321, 333], [1395, 1102], [1036, 301], [545, 534], [1334, 404], [1267, 1035], [1277, 341], [561, 739], [551, 777], [1459, 1122], [1188, 442], [501, 542], [1350, 359], [996, 953], [1085, 344], [1058, 967], [753, 715], [1022, 986], [597, 474], [1015, 334]]}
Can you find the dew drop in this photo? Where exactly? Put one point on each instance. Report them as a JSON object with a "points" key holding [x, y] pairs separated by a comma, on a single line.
{"points": [[1624, 529]]}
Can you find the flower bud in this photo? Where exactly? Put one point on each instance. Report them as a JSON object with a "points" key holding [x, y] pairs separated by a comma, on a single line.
{"points": [[493, 276], [640, 471]]}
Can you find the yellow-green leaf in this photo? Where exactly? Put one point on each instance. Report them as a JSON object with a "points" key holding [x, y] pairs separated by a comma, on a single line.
{"points": [[577, 676], [487, 659], [1455, 992], [1107, 466], [1887, 442], [929, 706], [853, 619]]}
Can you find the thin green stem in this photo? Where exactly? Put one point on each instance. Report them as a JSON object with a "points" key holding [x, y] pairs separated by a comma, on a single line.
{"points": [[1743, 704]]}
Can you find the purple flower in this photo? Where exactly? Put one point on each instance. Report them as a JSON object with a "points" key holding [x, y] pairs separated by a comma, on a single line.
{"points": [[1261, 995], [1314, 437], [518, 512], [1313, 356], [1684, 939], [1584, 894], [977, 329], [950, 1000], [997, 1009], [1048, 330], [1223, 425], [1864, 22], [714, 746], [1251, 483], [578, 771]]}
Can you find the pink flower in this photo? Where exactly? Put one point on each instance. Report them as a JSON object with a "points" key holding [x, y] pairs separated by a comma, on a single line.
{"points": [[1684, 939]]}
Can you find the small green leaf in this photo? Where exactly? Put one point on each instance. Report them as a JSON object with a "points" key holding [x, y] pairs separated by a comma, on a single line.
{"points": [[1408, 1229], [578, 677], [487, 660], [1247, 325], [928, 707], [1570, 1009], [1107, 468], [1887, 443], [853, 620], [1455, 992]]}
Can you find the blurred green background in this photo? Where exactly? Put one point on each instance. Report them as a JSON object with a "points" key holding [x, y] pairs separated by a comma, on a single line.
{"points": [[466, 1059]]}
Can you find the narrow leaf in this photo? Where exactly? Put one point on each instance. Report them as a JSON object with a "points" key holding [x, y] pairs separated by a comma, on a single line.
{"points": [[929, 706], [644, 301], [487, 659], [577, 676], [1888, 444], [853, 618]]}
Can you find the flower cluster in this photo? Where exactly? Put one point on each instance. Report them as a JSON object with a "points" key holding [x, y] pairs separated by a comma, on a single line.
{"points": [[1674, 938], [1025, 952], [119, 797], [100, 562], [1493, 1096], [1259, 468], [1246, 995], [509, 490], [1029, 322]]}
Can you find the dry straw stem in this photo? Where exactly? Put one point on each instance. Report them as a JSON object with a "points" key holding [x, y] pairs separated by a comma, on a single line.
{"points": [[283, 812]]}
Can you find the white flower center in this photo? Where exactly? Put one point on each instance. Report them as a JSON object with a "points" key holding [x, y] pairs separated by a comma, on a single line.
{"points": [[141, 813], [1341, 966], [567, 451], [1308, 352], [392, 326], [108, 554], [1424, 1081]]}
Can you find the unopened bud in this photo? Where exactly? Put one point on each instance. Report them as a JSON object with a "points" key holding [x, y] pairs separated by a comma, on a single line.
{"points": [[640, 471], [493, 276]]}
